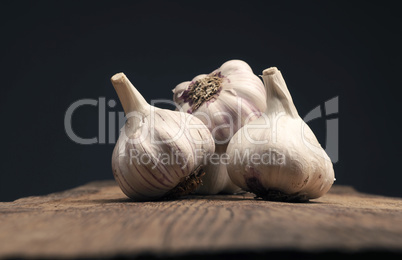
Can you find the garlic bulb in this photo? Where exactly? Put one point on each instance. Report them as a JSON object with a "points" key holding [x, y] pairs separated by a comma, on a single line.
{"points": [[224, 100], [159, 152], [277, 156]]}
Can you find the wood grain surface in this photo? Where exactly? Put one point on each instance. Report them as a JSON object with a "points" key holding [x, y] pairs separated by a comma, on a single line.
{"points": [[98, 221]]}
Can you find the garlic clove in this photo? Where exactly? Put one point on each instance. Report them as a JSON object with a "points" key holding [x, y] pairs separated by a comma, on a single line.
{"points": [[281, 157], [159, 152], [216, 180]]}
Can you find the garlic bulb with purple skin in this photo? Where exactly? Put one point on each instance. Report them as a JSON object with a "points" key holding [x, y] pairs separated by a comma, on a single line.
{"points": [[224, 100], [277, 156], [159, 152]]}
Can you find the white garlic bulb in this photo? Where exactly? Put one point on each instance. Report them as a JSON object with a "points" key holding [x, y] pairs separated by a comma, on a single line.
{"points": [[159, 152], [277, 156], [224, 100]]}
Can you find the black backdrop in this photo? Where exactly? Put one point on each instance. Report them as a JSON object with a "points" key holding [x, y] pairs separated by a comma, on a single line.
{"points": [[56, 53]]}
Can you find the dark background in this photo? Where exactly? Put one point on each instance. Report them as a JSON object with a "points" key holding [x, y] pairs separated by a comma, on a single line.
{"points": [[54, 53]]}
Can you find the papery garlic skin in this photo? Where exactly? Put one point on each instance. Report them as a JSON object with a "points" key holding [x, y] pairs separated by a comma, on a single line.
{"points": [[157, 149], [298, 168], [224, 100]]}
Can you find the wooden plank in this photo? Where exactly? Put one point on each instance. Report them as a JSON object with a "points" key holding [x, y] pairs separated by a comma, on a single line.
{"points": [[97, 220]]}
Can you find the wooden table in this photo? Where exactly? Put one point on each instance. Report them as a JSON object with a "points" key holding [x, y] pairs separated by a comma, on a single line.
{"points": [[98, 221]]}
